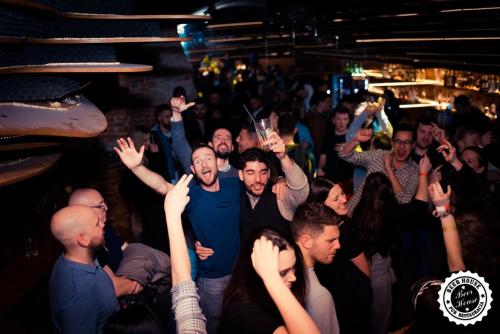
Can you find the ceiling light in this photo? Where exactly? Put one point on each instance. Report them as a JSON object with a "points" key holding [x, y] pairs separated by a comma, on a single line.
{"points": [[406, 14], [374, 74], [229, 39], [406, 83], [418, 105], [235, 25], [426, 39], [468, 9]]}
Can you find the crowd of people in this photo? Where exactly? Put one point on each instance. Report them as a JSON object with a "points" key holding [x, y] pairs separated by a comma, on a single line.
{"points": [[340, 221]]}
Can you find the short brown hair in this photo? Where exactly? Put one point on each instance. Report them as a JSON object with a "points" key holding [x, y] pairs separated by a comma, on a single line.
{"points": [[311, 217]]}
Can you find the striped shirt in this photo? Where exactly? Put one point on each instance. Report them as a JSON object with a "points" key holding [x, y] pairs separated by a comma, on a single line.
{"points": [[373, 161]]}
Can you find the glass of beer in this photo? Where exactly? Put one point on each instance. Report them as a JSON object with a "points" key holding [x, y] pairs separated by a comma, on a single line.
{"points": [[264, 129]]}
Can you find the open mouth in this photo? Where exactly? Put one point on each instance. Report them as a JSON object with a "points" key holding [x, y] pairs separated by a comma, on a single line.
{"points": [[342, 207], [222, 147], [258, 187]]}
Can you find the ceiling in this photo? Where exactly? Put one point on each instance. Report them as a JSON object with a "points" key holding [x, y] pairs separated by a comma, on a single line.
{"points": [[440, 33]]}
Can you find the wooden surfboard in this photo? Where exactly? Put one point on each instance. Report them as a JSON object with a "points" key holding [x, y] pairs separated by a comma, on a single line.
{"points": [[78, 68], [91, 40], [24, 168], [108, 16], [26, 146], [74, 118], [170, 17]]}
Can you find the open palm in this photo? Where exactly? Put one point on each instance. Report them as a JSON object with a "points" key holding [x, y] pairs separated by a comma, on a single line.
{"points": [[128, 154]]}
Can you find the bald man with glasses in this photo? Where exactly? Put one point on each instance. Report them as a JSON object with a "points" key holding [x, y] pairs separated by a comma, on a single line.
{"points": [[111, 254], [81, 294]]}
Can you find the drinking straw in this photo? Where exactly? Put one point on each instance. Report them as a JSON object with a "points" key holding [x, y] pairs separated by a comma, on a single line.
{"points": [[250, 114]]}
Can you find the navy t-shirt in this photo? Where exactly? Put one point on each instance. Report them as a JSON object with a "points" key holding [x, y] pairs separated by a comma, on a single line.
{"points": [[336, 169], [215, 220], [82, 297]]}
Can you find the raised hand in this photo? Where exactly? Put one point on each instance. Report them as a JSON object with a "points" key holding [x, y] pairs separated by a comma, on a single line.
{"points": [[364, 135], [179, 104], [438, 196], [177, 197], [438, 134], [388, 162], [371, 109], [436, 174], [424, 166], [448, 152], [276, 144], [128, 154], [265, 258]]}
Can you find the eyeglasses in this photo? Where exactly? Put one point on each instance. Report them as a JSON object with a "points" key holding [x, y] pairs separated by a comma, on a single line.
{"points": [[403, 142], [101, 206]]}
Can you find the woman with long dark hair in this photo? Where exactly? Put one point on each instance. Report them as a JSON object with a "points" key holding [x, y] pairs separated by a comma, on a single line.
{"points": [[324, 191], [348, 277], [375, 220], [267, 288]]}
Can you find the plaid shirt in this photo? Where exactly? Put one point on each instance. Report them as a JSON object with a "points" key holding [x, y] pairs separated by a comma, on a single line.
{"points": [[373, 161], [185, 304]]}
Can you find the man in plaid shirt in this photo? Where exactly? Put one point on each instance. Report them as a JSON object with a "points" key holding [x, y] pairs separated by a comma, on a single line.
{"points": [[401, 170]]}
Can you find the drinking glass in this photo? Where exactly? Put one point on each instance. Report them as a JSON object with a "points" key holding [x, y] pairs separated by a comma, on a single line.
{"points": [[264, 129]]}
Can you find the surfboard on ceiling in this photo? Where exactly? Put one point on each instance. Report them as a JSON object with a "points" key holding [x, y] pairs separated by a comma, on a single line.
{"points": [[71, 117], [17, 170]]}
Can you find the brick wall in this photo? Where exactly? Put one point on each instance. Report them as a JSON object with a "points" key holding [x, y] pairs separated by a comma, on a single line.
{"points": [[144, 92]]}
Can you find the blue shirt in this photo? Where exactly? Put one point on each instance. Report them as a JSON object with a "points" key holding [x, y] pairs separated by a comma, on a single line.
{"points": [[166, 145], [215, 220], [82, 297], [183, 151]]}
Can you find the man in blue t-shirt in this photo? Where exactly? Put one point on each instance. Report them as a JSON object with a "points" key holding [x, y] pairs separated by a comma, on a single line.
{"points": [[82, 297], [214, 214]]}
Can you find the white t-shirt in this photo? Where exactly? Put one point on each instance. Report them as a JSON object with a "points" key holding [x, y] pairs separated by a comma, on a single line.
{"points": [[320, 305]]}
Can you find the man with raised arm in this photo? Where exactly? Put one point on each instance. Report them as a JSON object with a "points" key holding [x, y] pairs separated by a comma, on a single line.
{"points": [[214, 214], [221, 141], [397, 165], [260, 206]]}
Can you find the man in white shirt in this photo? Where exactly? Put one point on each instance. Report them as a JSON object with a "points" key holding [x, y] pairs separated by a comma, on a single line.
{"points": [[316, 232]]}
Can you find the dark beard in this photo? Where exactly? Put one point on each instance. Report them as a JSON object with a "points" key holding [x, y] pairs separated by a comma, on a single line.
{"points": [[249, 191], [200, 180], [222, 155], [95, 249]]}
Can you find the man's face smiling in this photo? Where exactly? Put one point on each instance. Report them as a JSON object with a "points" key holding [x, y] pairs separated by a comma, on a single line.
{"points": [[255, 176], [402, 145], [222, 142], [204, 166]]}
